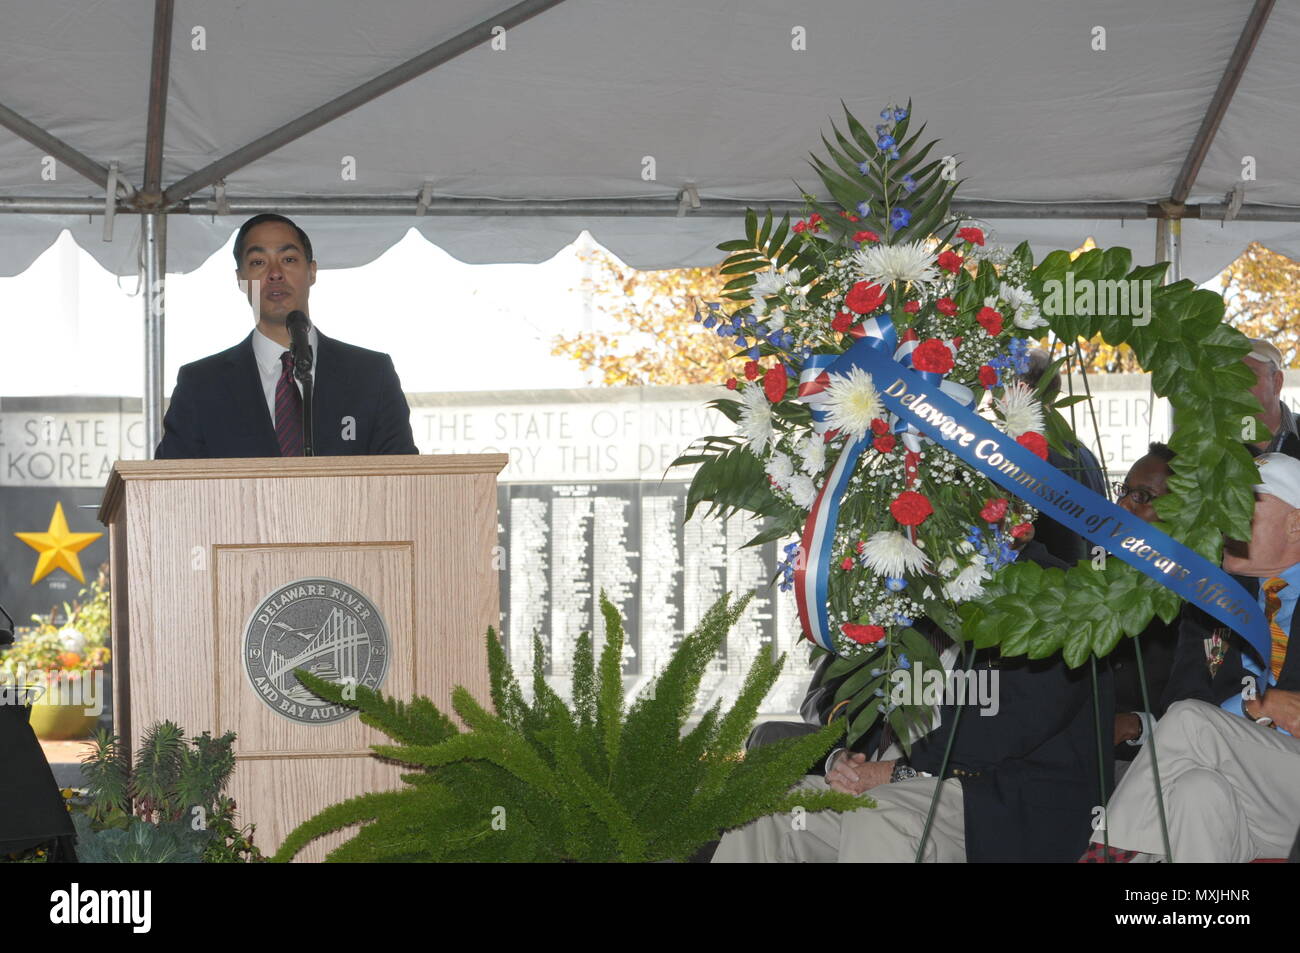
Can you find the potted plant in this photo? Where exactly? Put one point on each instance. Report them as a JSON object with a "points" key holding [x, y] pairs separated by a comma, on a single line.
{"points": [[167, 808], [63, 657], [592, 782]]}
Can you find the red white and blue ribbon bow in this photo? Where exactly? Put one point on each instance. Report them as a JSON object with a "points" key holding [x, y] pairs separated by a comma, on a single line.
{"points": [[812, 569]]}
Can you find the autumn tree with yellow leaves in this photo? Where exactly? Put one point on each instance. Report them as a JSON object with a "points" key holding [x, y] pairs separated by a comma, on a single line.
{"points": [[652, 336]]}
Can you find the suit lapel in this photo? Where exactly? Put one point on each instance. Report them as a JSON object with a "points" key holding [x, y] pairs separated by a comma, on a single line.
{"points": [[331, 387], [248, 402]]}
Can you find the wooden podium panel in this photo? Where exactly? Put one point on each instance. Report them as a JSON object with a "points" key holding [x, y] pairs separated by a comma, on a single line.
{"points": [[199, 546]]}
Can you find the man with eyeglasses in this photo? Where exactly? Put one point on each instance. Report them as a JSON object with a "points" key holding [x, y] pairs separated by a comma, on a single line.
{"points": [[1228, 746]]}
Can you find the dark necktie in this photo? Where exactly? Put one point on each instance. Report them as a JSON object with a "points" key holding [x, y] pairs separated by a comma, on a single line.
{"points": [[288, 410]]}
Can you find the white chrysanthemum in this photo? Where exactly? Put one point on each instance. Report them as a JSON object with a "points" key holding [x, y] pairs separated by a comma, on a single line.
{"points": [[852, 402], [908, 261], [776, 320], [755, 419], [802, 491], [812, 454], [768, 283], [1020, 411], [892, 555], [779, 468], [969, 583], [1028, 317], [791, 278], [947, 567]]}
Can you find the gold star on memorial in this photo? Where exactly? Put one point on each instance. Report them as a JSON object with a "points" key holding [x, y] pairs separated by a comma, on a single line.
{"points": [[58, 547]]}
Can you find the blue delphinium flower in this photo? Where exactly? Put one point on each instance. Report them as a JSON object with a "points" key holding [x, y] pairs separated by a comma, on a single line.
{"points": [[904, 662], [864, 167], [909, 183], [864, 209], [899, 218], [710, 321], [900, 114], [894, 584], [1019, 350], [885, 143], [902, 620], [754, 353], [887, 113]]}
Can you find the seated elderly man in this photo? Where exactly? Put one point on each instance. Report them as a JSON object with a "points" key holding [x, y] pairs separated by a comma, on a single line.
{"points": [[1228, 747]]}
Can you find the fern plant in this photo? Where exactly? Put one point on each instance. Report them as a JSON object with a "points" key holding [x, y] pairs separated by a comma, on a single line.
{"points": [[589, 781]]}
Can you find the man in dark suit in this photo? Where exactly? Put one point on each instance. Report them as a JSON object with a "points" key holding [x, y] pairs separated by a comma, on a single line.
{"points": [[245, 402]]}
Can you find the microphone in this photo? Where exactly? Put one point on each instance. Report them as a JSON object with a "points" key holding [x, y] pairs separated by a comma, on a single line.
{"points": [[299, 324]]}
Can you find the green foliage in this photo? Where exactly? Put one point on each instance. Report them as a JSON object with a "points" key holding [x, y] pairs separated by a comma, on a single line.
{"points": [[550, 782], [73, 639], [139, 842], [167, 804], [1195, 361]]}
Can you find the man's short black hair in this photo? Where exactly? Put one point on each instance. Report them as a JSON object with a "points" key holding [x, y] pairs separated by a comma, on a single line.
{"points": [[1158, 449], [262, 219]]}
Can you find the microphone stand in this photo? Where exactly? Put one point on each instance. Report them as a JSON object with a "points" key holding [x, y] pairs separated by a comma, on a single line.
{"points": [[302, 368]]}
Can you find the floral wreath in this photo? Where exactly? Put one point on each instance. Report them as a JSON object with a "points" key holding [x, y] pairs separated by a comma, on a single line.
{"points": [[920, 532]]}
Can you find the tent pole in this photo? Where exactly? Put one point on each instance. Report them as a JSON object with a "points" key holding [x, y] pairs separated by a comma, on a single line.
{"points": [[155, 282]]}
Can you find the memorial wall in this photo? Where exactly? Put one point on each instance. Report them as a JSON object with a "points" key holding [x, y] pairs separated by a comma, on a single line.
{"points": [[586, 504]]}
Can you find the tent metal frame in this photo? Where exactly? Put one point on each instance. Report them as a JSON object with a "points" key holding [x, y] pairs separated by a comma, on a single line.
{"points": [[154, 203]]}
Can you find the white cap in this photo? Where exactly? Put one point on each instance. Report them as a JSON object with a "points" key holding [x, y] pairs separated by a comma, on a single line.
{"points": [[1279, 476], [1266, 353]]}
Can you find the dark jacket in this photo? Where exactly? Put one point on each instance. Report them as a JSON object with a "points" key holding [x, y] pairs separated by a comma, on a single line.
{"points": [[1191, 678], [218, 408], [1029, 774]]}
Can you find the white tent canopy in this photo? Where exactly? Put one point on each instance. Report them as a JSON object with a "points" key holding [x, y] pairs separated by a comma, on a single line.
{"points": [[207, 108]]}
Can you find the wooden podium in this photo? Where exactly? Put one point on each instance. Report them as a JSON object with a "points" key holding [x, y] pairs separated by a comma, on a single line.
{"points": [[227, 574]]}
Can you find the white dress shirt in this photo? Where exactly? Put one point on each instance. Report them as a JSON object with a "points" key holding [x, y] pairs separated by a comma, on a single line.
{"points": [[267, 355]]}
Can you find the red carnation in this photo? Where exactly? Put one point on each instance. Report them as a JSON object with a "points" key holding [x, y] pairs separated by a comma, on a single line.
{"points": [[842, 322], [862, 634], [844, 214], [865, 236], [752, 370], [932, 355], [800, 226], [731, 383], [990, 321], [911, 508], [884, 444], [1035, 443], [972, 235], [879, 427], [775, 383], [864, 297], [946, 306], [950, 261], [862, 544], [994, 510], [847, 564], [1021, 530], [988, 377], [912, 307], [814, 221]]}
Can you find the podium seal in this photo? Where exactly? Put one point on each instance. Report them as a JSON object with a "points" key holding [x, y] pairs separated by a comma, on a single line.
{"points": [[323, 626]]}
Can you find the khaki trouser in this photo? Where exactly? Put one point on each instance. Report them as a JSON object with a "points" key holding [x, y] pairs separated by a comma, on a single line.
{"points": [[886, 833], [1231, 789]]}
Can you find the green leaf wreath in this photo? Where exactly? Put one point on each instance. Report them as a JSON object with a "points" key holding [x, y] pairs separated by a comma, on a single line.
{"points": [[886, 245], [589, 782]]}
